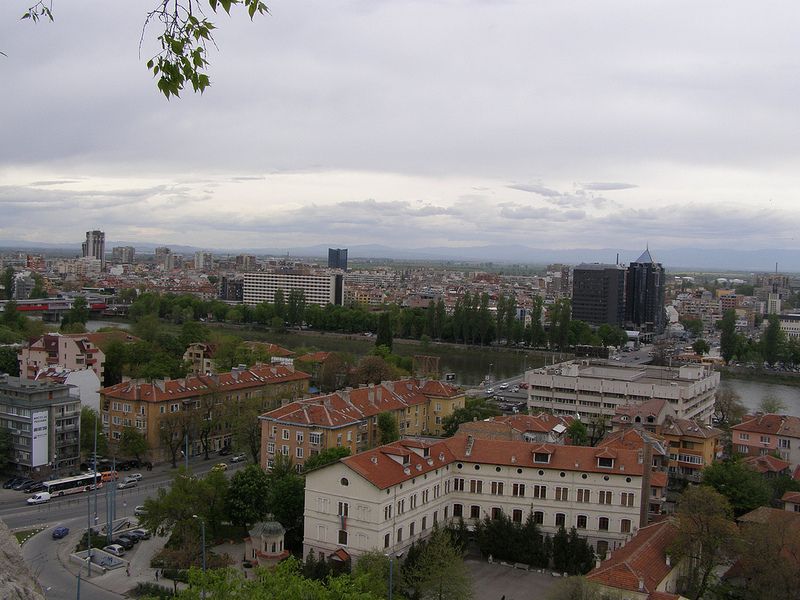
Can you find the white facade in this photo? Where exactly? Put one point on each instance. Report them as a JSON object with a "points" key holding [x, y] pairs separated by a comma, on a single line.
{"points": [[347, 506], [790, 325], [319, 288], [597, 388]]}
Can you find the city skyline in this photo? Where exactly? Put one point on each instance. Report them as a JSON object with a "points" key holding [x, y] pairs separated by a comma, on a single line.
{"points": [[410, 125]]}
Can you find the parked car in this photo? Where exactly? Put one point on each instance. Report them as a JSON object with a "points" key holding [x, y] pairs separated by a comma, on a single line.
{"points": [[515, 388], [12, 482], [140, 511], [21, 483], [134, 477], [220, 467], [123, 541], [126, 484], [60, 532], [490, 391], [131, 538], [224, 451], [142, 534], [114, 549], [238, 457], [503, 386], [39, 498], [33, 486]]}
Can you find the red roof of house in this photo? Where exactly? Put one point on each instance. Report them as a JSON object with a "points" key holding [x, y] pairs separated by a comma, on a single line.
{"points": [[785, 425], [314, 357], [689, 428], [640, 562], [379, 468], [633, 438], [793, 497], [767, 464], [271, 349], [541, 423]]}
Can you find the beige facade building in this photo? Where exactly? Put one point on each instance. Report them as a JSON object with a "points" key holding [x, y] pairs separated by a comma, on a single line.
{"points": [[182, 405], [386, 498], [72, 352], [598, 388]]}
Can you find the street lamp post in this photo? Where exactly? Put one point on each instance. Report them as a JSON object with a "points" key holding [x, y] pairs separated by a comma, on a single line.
{"points": [[203, 542]]}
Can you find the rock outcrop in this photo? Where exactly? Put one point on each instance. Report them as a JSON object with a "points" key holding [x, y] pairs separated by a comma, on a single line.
{"points": [[16, 580]]}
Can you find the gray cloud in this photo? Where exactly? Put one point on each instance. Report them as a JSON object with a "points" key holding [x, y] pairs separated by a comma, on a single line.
{"points": [[608, 186], [535, 189]]}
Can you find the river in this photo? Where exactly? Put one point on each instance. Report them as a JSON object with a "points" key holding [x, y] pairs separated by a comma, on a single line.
{"points": [[95, 325], [753, 392]]}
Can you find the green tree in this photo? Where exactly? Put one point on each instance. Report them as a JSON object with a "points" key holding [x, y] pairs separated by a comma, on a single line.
{"points": [[693, 326], [116, 358], [578, 433], [385, 327], [8, 282], [78, 314], [743, 487], [728, 339], [728, 407], [6, 448], [373, 369], [474, 409], [387, 428], [771, 405], [707, 537], [326, 457], [279, 302], [442, 573], [133, 442], [701, 347], [579, 588], [90, 421], [8, 361], [773, 340], [611, 336], [286, 500], [248, 495], [296, 308], [39, 290], [373, 569]]}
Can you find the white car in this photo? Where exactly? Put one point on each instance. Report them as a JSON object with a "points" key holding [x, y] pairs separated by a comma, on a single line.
{"points": [[503, 386], [39, 498], [126, 484], [114, 549], [238, 457], [134, 477]]}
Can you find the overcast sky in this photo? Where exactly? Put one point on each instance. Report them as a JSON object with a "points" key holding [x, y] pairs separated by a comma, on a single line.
{"points": [[552, 124]]}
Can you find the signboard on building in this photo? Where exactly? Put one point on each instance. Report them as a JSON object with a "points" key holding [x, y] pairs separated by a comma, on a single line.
{"points": [[39, 450]]}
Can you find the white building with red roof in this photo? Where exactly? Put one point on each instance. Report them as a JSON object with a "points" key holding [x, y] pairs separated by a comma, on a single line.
{"points": [[386, 498]]}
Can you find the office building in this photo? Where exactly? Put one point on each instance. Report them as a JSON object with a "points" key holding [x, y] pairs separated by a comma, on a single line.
{"points": [[123, 254], [644, 294], [203, 261], [337, 258], [44, 422], [597, 388], [390, 497], [231, 288], [318, 288], [95, 247], [598, 294]]}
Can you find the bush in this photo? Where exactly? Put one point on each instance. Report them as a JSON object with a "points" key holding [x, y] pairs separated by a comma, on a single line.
{"points": [[181, 575], [150, 590]]}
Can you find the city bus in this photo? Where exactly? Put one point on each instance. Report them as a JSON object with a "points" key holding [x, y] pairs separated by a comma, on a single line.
{"points": [[72, 485]]}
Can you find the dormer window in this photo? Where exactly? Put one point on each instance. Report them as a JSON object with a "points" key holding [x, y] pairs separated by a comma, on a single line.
{"points": [[541, 457], [605, 462]]}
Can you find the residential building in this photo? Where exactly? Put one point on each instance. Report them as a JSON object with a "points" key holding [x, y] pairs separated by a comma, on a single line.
{"points": [[597, 388], [767, 466], [231, 288], [43, 419], [644, 294], [790, 325], [386, 498], [200, 356], [182, 404], [349, 418], [245, 262], [542, 428], [791, 501], [642, 569], [692, 446], [74, 352], [598, 294], [123, 254], [318, 287], [762, 434], [337, 258], [649, 414], [83, 383], [203, 261], [95, 247]]}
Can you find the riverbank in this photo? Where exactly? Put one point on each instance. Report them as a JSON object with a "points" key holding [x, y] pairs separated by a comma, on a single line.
{"points": [[760, 375]]}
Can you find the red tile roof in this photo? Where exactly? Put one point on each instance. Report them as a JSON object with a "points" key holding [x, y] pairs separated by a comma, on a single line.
{"points": [[541, 423], [632, 438], [381, 470], [642, 562], [766, 464], [785, 425], [793, 497], [271, 349], [689, 428], [314, 357]]}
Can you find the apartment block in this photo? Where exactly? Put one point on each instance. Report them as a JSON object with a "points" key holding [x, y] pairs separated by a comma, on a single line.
{"points": [[349, 418], [386, 498], [147, 406], [72, 352], [318, 287], [762, 434], [598, 388], [43, 419]]}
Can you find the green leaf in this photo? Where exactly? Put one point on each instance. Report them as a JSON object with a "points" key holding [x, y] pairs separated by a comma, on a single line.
{"points": [[213, 5]]}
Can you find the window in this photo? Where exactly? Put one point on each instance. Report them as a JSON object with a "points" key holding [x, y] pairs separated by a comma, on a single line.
{"points": [[605, 462], [399, 534], [424, 523], [126, 408], [627, 498], [299, 436], [386, 540], [342, 537], [285, 450], [496, 512], [605, 497], [625, 526], [784, 444], [538, 517], [742, 449], [474, 512], [173, 408], [387, 512], [270, 447], [561, 519], [562, 494], [349, 436], [540, 491], [401, 506], [435, 517], [518, 489], [497, 488], [583, 495], [162, 409], [602, 549], [286, 434], [744, 436], [413, 502], [541, 457], [765, 439], [581, 522], [458, 484], [458, 510], [344, 509], [411, 528], [476, 486], [315, 438], [602, 523], [299, 452]]}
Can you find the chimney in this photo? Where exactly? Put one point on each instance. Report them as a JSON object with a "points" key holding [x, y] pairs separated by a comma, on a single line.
{"points": [[669, 561], [371, 393], [470, 443], [641, 584]]}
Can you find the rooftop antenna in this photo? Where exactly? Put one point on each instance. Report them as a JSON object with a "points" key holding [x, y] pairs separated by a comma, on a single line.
{"points": [[776, 268], [617, 257]]}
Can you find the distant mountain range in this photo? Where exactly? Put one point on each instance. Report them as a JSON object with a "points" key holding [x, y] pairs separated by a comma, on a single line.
{"points": [[673, 259]]}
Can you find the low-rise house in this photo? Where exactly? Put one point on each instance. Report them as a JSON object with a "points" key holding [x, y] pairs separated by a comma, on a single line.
{"points": [[264, 546], [642, 568], [762, 434], [66, 351], [648, 415], [543, 428], [791, 501], [388, 497], [692, 446], [200, 357], [767, 465], [349, 418]]}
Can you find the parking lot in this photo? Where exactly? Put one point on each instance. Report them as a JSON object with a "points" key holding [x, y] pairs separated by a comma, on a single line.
{"points": [[493, 581]]}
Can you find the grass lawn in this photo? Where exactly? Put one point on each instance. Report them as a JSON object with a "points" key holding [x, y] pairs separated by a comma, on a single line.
{"points": [[24, 535]]}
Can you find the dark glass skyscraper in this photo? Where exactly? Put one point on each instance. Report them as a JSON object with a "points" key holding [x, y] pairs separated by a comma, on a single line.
{"points": [[644, 294], [337, 258], [598, 294]]}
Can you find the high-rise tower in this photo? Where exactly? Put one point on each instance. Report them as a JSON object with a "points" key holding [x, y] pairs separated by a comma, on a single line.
{"points": [[95, 246], [598, 294], [644, 294]]}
